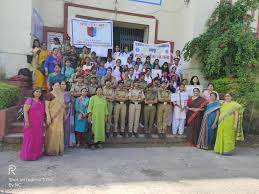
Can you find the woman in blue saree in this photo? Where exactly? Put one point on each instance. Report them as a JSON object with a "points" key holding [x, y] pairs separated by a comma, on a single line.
{"points": [[209, 124]]}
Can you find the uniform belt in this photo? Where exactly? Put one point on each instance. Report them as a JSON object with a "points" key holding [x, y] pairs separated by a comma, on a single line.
{"points": [[164, 103], [149, 104], [135, 103], [118, 102]]}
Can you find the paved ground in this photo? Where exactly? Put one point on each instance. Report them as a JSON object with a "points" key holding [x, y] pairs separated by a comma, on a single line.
{"points": [[163, 170]]}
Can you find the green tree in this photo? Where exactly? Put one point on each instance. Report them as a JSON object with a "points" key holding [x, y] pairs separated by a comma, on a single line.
{"points": [[228, 46]]}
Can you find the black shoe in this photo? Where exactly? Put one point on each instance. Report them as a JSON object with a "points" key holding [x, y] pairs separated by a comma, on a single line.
{"points": [[129, 134], [123, 134], [114, 134], [136, 135], [148, 135], [107, 134]]}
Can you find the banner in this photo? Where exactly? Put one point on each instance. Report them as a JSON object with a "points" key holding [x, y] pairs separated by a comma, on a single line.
{"points": [[157, 51], [37, 25], [91, 33]]}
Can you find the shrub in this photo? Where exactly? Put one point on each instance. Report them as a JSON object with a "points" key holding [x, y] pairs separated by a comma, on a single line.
{"points": [[8, 95], [242, 90]]}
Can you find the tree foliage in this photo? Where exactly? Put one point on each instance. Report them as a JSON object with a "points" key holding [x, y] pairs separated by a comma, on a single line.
{"points": [[228, 47]]}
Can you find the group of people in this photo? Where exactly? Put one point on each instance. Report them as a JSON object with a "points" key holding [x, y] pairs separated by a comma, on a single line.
{"points": [[77, 94]]}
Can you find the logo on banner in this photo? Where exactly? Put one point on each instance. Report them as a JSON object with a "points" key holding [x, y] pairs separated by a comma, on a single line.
{"points": [[91, 31]]}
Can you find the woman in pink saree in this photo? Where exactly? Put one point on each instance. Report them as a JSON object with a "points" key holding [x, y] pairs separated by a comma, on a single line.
{"points": [[34, 111]]}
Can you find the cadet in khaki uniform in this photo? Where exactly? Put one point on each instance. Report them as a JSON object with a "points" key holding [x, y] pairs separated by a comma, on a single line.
{"points": [[163, 109], [78, 86], [136, 96], [127, 81], [156, 84], [149, 109], [109, 94], [110, 77], [121, 96], [142, 85], [92, 87]]}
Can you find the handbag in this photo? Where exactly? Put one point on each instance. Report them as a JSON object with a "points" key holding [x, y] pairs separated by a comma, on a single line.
{"points": [[20, 113]]}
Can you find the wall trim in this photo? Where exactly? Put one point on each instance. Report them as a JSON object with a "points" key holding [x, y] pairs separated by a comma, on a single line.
{"points": [[67, 5]]}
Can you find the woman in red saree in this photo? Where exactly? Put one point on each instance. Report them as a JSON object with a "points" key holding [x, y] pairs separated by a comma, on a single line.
{"points": [[195, 106]]}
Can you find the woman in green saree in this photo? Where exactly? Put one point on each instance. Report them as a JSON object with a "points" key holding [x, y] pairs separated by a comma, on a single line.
{"points": [[229, 126]]}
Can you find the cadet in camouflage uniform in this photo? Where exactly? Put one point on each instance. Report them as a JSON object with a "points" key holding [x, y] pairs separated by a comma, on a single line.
{"points": [[109, 94], [136, 96], [78, 86], [121, 96], [163, 109], [150, 109]]}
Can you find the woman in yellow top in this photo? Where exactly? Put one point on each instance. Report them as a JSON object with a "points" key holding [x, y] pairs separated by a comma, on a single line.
{"points": [[39, 57]]}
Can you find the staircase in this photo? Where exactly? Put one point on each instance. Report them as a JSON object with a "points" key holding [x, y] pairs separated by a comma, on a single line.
{"points": [[14, 128]]}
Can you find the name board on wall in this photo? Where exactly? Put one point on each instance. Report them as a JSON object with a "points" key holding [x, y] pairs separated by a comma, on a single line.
{"points": [[51, 36], [153, 2], [91, 33]]}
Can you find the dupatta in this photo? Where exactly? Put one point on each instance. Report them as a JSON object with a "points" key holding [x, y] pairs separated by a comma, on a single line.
{"points": [[234, 106]]}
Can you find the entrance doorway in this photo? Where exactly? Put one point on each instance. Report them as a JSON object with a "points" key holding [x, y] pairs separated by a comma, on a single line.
{"points": [[126, 36]]}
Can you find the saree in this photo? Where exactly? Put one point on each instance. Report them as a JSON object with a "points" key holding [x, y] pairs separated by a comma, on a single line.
{"points": [[207, 134], [227, 134], [54, 144], [38, 78], [69, 134], [194, 119], [99, 109], [32, 145]]}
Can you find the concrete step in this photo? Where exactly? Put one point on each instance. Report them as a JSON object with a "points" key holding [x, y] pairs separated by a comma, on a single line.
{"points": [[15, 127], [142, 140], [13, 138], [16, 138]]}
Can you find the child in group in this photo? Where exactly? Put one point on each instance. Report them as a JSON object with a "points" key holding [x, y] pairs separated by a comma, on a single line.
{"points": [[101, 70], [116, 53], [87, 67], [179, 114]]}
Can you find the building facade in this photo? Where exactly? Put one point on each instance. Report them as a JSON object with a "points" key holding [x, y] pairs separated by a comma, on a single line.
{"points": [[150, 21]]}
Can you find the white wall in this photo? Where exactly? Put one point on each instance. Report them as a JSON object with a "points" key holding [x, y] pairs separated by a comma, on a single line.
{"points": [[176, 22], [15, 36]]}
